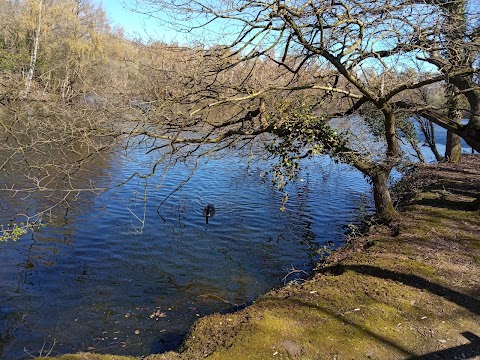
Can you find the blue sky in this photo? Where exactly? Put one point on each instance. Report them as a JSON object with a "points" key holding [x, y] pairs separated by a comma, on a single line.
{"points": [[138, 24], [135, 24]]}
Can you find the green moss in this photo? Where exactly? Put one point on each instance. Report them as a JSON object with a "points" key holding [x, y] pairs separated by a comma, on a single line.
{"points": [[418, 268], [428, 195]]}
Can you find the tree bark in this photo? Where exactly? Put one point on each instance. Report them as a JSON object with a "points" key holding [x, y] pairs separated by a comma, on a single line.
{"points": [[453, 151], [33, 57], [393, 148], [378, 175], [428, 131], [381, 195], [418, 152], [469, 132], [435, 152]]}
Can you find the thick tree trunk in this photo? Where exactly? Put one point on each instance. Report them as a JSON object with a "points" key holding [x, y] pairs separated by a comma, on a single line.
{"points": [[453, 152], [471, 132], [378, 175], [381, 195], [472, 129], [393, 148]]}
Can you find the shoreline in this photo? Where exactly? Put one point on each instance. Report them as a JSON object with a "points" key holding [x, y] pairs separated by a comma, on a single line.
{"points": [[404, 292]]}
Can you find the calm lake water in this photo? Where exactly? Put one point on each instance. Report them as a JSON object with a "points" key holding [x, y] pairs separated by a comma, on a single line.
{"points": [[90, 281]]}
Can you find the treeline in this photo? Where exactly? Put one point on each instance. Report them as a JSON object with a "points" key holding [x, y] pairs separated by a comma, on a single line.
{"points": [[60, 49], [56, 46]]}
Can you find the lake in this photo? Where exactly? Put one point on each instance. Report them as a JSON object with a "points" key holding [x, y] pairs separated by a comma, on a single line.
{"points": [[95, 279]]}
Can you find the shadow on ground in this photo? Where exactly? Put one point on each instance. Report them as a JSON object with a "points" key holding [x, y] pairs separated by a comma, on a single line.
{"points": [[463, 300], [470, 350]]}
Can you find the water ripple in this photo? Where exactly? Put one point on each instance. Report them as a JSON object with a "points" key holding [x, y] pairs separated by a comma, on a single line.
{"points": [[97, 276]]}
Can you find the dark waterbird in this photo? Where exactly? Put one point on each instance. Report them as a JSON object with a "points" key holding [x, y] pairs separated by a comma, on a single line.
{"points": [[208, 211]]}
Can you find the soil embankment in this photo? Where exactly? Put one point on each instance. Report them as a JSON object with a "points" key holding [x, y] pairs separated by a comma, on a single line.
{"points": [[411, 292]]}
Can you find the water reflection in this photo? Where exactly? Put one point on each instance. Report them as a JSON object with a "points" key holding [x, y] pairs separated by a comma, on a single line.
{"points": [[92, 281]]}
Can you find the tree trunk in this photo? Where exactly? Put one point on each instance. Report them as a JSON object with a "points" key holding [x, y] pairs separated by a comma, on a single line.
{"points": [[457, 55], [417, 150], [469, 132], [428, 131], [393, 148], [453, 152], [435, 152], [381, 195], [33, 57], [379, 174]]}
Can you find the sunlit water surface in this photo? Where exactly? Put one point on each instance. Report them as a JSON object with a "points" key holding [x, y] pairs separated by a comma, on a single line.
{"points": [[96, 280]]}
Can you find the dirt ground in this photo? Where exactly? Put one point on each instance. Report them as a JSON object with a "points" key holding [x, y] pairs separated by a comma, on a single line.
{"points": [[409, 291]]}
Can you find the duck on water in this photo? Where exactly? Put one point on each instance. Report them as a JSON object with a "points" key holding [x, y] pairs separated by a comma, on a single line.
{"points": [[208, 211]]}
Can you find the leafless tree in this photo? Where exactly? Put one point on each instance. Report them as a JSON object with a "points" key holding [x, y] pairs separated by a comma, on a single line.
{"points": [[326, 53], [452, 47]]}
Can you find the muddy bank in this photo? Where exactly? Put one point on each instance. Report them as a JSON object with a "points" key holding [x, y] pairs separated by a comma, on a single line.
{"points": [[411, 291]]}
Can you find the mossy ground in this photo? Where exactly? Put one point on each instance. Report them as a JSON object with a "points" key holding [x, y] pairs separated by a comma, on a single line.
{"points": [[410, 292]]}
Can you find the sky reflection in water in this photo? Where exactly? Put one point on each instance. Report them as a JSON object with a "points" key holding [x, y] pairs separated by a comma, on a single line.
{"points": [[89, 282]]}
